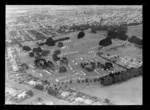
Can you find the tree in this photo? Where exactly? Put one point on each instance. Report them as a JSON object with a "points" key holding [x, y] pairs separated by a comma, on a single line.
{"points": [[123, 37], [127, 74], [93, 30], [99, 79], [117, 32], [115, 78], [124, 75], [107, 81], [135, 72], [86, 80], [120, 77], [95, 79], [39, 87], [141, 70], [62, 69], [105, 42], [30, 93], [50, 42], [81, 35], [122, 29], [135, 40], [52, 92], [78, 81], [83, 81], [45, 52], [70, 82], [66, 86], [111, 33], [26, 48], [107, 101]]}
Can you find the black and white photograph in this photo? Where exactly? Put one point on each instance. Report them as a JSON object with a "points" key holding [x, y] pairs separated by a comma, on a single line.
{"points": [[73, 55]]}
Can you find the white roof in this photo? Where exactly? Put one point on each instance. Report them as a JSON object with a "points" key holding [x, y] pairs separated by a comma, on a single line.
{"points": [[79, 99], [65, 93], [88, 101], [32, 82], [49, 103], [23, 94]]}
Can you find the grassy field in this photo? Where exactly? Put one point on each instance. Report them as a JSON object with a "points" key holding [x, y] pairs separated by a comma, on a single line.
{"points": [[135, 31], [126, 93]]}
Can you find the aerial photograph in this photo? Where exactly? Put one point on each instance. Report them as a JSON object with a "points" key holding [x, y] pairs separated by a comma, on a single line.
{"points": [[73, 55]]}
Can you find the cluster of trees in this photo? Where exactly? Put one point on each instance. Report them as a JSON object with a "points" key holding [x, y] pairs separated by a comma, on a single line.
{"points": [[105, 42], [118, 32], [39, 87], [23, 67], [135, 40], [121, 76], [26, 48], [30, 93]]}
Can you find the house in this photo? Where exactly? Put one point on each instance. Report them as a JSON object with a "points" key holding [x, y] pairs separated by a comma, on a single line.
{"points": [[88, 101], [64, 94], [79, 99], [32, 82], [22, 95]]}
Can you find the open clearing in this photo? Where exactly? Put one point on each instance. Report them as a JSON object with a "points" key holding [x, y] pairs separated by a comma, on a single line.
{"points": [[126, 93]]}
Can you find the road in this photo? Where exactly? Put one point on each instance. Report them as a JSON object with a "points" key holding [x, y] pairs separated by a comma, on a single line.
{"points": [[113, 62]]}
